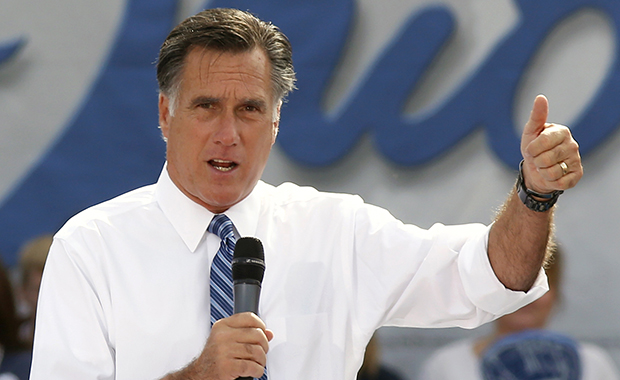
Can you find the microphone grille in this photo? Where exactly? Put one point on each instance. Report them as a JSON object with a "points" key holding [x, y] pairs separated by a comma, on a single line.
{"points": [[249, 247], [248, 260]]}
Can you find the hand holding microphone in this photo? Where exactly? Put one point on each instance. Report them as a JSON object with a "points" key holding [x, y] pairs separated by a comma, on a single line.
{"points": [[238, 344]]}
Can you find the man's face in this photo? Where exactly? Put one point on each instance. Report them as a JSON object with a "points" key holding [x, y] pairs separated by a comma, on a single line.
{"points": [[222, 130], [532, 316]]}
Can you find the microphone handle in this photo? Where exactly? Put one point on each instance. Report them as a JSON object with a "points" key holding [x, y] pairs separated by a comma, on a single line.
{"points": [[246, 298]]}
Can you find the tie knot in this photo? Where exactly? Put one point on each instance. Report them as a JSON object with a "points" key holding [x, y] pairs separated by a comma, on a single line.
{"points": [[222, 227]]}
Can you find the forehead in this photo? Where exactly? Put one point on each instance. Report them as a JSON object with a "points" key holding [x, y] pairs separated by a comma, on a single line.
{"points": [[215, 71]]}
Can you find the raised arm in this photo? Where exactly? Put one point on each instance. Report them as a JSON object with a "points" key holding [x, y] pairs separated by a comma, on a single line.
{"points": [[519, 237]]}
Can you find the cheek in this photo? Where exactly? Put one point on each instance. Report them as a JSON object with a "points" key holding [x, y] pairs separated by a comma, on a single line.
{"points": [[184, 141], [259, 141], [265, 148]]}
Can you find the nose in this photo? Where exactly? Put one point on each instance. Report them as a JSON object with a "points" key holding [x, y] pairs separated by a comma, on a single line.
{"points": [[227, 131]]}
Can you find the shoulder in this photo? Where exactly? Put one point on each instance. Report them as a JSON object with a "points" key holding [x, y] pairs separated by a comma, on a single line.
{"points": [[456, 358], [289, 194], [597, 363], [135, 201]]}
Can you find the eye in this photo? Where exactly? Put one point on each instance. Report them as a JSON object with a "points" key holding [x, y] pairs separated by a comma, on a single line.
{"points": [[252, 106], [205, 105]]}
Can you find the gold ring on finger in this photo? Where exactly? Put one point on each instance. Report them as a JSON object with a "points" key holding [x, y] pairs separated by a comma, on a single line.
{"points": [[564, 168]]}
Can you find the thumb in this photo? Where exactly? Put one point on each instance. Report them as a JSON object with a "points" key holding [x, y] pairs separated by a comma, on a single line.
{"points": [[536, 124], [538, 118]]}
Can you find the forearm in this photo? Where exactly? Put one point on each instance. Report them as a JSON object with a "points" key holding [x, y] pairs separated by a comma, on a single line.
{"points": [[519, 238], [180, 375], [192, 371], [518, 243]]}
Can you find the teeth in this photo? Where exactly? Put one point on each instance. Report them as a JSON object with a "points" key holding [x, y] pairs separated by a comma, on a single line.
{"points": [[223, 165], [223, 168]]}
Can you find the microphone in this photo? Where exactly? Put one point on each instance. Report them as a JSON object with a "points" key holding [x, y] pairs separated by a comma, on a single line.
{"points": [[248, 268]]}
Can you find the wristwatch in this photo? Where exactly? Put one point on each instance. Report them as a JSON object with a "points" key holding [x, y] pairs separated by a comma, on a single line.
{"points": [[527, 196]]}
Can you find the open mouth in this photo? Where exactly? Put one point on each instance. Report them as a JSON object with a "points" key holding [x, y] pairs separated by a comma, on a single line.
{"points": [[222, 165]]}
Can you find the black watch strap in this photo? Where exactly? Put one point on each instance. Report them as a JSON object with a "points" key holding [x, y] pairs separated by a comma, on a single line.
{"points": [[527, 196]]}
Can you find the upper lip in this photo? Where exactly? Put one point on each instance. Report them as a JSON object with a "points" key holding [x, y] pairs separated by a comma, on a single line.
{"points": [[220, 161]]}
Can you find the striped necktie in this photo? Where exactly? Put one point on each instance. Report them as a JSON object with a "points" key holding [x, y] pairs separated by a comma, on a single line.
{"points": [[221, 271]]}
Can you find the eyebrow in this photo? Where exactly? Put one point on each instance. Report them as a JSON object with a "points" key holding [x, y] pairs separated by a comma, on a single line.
{"points": [[258, 103], [204, 99]]}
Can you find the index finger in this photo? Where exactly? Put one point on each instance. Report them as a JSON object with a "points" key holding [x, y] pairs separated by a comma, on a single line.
{"points": [[246, 319], [547, 148]]}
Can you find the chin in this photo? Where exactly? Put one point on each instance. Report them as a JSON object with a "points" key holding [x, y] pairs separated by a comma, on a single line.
{"points": [[221, 204]]}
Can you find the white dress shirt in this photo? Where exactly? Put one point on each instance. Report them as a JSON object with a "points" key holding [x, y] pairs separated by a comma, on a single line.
{"points": [[125, 293]]}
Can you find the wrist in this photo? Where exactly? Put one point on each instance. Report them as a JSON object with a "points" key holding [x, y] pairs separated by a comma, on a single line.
{"points": [[533, 200]]}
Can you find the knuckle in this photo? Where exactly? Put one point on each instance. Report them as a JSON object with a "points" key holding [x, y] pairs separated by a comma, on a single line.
{"points": [[250, 368], [545, 160], [543, 139], [244, 367], [574, 144], [249, 349]]}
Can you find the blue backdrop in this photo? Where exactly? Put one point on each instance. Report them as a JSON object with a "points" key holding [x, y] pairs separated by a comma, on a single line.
{"points": [[112, 143]]}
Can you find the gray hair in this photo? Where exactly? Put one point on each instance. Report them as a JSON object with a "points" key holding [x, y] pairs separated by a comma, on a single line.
{"points": [[225, 30]]}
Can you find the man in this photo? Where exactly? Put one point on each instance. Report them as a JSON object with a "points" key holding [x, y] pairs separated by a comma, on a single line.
{"points": [[16, 355], [32, 258], [126, 290]]}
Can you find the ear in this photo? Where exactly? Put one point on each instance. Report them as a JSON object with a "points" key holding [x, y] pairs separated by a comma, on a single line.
{"points": [[164, 115], [276, 123]]}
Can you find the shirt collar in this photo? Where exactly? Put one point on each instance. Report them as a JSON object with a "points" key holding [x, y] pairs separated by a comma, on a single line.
{"points": [[191, 220], [245, 214]]}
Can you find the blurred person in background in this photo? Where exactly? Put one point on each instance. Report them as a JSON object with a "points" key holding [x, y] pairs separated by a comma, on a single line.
{"points": [[461, 360], [372, 368], [32, 258], [15, 356]]}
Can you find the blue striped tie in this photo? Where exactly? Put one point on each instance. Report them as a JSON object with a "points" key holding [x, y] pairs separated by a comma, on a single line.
{"points": [[221, 271]]}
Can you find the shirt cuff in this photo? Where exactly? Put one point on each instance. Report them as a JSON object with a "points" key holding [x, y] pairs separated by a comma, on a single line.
{"points": [[483, 287]]}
